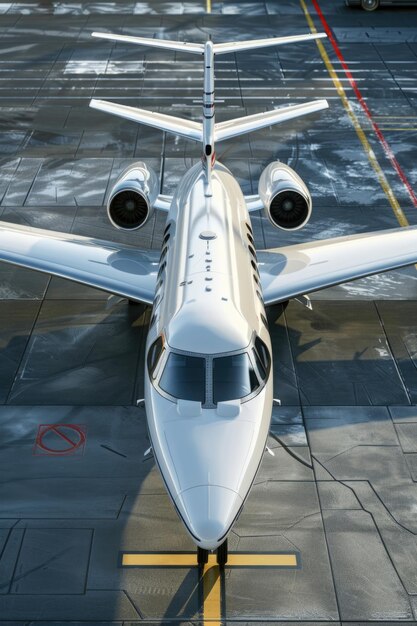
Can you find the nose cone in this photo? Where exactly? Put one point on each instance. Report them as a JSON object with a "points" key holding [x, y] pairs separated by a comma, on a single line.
{"points": [[209, 512]]}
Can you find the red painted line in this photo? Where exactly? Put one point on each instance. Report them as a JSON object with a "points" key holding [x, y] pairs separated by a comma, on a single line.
{"points": [[353, 84]]}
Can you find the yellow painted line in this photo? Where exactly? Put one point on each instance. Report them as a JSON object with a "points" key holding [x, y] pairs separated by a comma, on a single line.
{"points": [[155, 559], [159, 560], [403, 128], [262, 560], [395, 117], [208, 6], [212, 608], [398, 212], [212, 575]]}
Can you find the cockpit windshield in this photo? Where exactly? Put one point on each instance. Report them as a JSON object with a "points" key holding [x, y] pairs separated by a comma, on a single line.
{"points": [[184, 377], [209, 379], [233, 377]]}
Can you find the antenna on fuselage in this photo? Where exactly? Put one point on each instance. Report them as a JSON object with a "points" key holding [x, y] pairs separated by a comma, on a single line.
{"points": [[208, 132]]}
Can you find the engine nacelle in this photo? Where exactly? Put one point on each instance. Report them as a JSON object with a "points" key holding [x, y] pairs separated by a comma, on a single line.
{"points": [[286, 199], [130, 202]]}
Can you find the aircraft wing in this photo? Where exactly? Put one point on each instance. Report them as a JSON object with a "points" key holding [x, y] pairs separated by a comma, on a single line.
{"points": [[116, 268], [302, 268]]}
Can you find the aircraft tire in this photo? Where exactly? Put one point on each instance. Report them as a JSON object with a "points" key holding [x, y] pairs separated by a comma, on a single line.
{"points": [[202, 556], [222, 554]]}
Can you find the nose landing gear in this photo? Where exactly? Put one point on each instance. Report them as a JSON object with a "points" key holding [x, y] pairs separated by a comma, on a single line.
{"points": [[221, 553], [202, 556]]}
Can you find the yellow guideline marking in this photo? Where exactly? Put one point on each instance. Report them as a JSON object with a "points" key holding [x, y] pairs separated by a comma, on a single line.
{"points": [[262, 560], [212, 591], [398, 212], [163, 560], [212, 574], [208, 9], [396, 129]]}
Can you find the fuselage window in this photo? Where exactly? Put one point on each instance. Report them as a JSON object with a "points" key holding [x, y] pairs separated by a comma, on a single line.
{"points": [[250, 238], [259, 365], [167, 236], [184, 377], [265, 321], [264, 355], [161, 269], [255, 267], [154, 355], [256, 279], [167, 227], [252, 251], [233, 378], [248, 226], [163, 254]]}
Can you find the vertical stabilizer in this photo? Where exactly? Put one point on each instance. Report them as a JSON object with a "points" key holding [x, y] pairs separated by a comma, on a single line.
{"points": [[209, 155]]}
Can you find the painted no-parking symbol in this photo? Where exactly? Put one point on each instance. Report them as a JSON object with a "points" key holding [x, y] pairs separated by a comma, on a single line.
{"points": [[60, 440]]}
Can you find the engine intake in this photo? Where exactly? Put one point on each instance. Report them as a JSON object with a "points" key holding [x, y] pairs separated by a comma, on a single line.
{"points": [[130, 202], [286, 198]]}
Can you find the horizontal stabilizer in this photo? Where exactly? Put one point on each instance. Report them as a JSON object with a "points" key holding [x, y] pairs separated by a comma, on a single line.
{"points": [[252, 44], [242, 125], [178, 46], [218, 48], [168, 123]]}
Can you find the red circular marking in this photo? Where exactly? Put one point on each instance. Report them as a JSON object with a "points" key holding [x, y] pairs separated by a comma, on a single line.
{"points": [[73, 442]]}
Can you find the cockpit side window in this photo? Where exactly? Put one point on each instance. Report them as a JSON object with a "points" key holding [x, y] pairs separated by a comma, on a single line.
{"points": [[184, 377], [233, 377], [154, 355], [263, 354]]}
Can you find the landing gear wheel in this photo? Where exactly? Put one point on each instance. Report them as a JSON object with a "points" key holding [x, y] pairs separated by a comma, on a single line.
{"points": [[222, 554], [369, 5], [202, 556]]}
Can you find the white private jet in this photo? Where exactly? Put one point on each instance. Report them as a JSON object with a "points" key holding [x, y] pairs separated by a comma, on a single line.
{"points": [[208, 379]]}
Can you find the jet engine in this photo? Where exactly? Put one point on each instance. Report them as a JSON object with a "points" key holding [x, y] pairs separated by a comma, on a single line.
{"points": [[130, 202], [286, 199]]}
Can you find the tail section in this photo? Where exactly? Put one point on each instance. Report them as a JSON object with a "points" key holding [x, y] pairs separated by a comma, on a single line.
{"points": [[208, 132]]}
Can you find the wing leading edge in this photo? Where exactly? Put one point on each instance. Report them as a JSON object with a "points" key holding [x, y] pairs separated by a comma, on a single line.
{"points": [[116, 268], [291, 271]]}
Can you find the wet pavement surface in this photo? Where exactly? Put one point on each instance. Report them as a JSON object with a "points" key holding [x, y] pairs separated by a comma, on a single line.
{"points": [[75, 487]]}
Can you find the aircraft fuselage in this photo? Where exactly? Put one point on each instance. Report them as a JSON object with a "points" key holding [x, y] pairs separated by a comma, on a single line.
{"points": [[208, 382]]}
